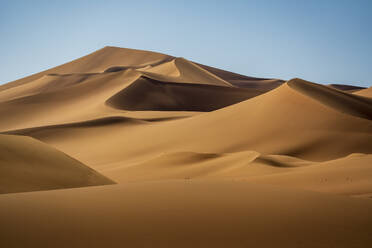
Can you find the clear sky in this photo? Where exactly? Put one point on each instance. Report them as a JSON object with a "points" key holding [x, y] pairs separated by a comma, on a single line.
{"points": [[323, 41]]}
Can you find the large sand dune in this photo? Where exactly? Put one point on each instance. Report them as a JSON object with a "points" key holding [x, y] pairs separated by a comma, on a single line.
{"points": [[203, 157]]}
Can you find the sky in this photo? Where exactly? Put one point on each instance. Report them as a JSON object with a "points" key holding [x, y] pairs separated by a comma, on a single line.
{"points": [[325, 41]]}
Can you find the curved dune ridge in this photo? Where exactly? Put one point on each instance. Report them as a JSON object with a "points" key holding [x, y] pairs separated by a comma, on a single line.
{"points": [[184, 71], [29, 165], [343, 102], [221, 158]]}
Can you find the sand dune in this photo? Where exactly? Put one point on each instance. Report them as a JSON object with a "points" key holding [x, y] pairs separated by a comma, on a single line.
{"points": [[29, 165], [202, 157], [99, 61], [271, 123], [215, 145], [66, 91]]}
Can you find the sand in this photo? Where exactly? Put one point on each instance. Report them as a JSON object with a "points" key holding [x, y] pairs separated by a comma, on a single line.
{"points": [[184, 214], [196, 157], [365, 92], [29, 165]]}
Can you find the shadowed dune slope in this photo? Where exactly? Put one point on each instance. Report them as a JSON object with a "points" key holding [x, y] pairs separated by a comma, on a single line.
{"points": [[149, 94], [101, 122], [345, 87], [29, 165]]}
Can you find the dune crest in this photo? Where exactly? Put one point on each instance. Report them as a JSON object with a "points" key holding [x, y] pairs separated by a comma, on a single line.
{"points": [[341, 101]]}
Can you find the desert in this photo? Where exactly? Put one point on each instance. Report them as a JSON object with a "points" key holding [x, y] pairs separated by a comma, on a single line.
{"points": [[134, 148]]}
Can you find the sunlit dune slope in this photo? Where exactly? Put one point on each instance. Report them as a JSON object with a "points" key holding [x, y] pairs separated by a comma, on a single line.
{"points": [[29, 165], [365, 92]]}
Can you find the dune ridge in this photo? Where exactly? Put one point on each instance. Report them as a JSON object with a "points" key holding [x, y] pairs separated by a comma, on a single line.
{"points": [[344, 102]]}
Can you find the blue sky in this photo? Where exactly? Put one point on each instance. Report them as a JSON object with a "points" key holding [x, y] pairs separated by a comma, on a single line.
{"points": [[321, 41]]}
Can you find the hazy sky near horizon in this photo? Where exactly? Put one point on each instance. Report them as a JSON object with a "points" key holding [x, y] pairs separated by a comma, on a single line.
{"points": [[323, 41]]}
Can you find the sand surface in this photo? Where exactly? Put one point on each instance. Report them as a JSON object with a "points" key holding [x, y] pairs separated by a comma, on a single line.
{"points": [[27, 164], [187, 155]]}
